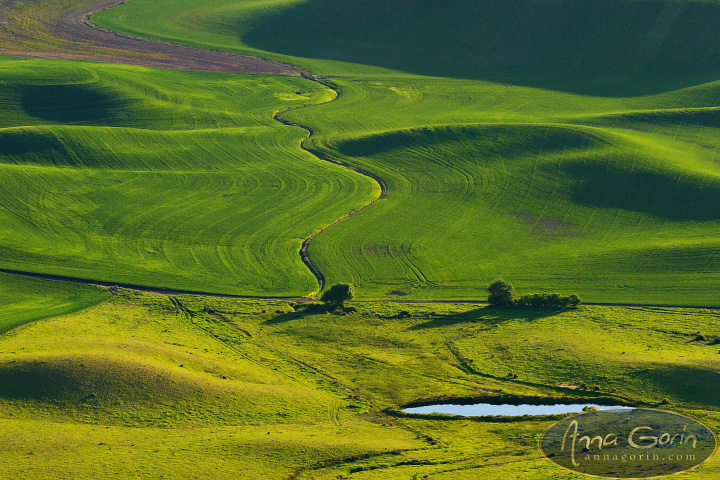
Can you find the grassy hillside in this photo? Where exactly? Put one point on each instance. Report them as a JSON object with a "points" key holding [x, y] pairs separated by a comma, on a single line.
{"points": [[578, 155], [617, 209], [586, 46], [167, 387], [628, 46], [562, 144], [166, 179], [141, 386], [574, 149], [24, 300]]}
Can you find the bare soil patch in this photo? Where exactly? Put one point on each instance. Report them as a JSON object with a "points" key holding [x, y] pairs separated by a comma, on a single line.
{"points": [[548, 227], [71, 35]]}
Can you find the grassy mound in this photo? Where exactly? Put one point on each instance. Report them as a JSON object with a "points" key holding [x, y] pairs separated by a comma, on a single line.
{"points": [[526, 202], [128, 389], [86, 379], [141, 361]]}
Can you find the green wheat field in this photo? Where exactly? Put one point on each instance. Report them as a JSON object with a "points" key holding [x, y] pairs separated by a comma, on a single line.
{"points": [[566, 146]]}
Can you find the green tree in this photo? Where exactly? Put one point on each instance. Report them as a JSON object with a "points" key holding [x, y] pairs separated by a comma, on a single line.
{"points": [[338, 294], [501, 293], [574, 300]]}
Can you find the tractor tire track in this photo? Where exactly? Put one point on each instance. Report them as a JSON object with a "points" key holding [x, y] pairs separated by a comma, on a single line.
{"points": [[80, 36], [82, 40]]}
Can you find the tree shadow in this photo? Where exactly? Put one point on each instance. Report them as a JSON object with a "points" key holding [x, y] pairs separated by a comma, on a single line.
{"points": [[286, 317], [309, 309], [489, 315]]}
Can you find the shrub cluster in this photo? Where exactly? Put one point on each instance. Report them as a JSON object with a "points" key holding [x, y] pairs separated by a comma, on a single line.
{"points": [[502, 294], [547, 300]]}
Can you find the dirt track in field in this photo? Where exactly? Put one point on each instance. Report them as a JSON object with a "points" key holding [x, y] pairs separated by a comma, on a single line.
{"points": [[72, 36], [171, 292]]}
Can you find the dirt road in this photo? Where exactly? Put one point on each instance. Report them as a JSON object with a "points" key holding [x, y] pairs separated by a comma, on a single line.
{"points": [[67, 33]]}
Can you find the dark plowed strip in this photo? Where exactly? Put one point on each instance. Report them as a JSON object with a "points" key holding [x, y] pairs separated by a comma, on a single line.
{"points": [[75, 37]]}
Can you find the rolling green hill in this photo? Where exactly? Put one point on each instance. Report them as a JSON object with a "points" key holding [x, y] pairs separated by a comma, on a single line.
{"points": [[620, 213], [625, 47], [165, 179], [567, 145], [561, 144], [142, 385]]}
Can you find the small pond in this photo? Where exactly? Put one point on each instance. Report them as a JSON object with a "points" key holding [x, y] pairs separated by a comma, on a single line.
{"points": [[480, 409]]}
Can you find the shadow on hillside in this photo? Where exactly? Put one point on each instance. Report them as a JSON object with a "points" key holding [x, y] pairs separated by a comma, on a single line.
{"points": [[24, 142], [75, 104], [607, 48], [698, 386], [665, 195], [38, 381], [488, 315], [492, 141]]}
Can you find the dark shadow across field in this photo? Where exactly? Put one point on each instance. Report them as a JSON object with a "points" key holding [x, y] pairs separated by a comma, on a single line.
{"points": [[38, 381], [71, 103], [19, 143], [663, 195], [698, 385], [606, 48]]}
